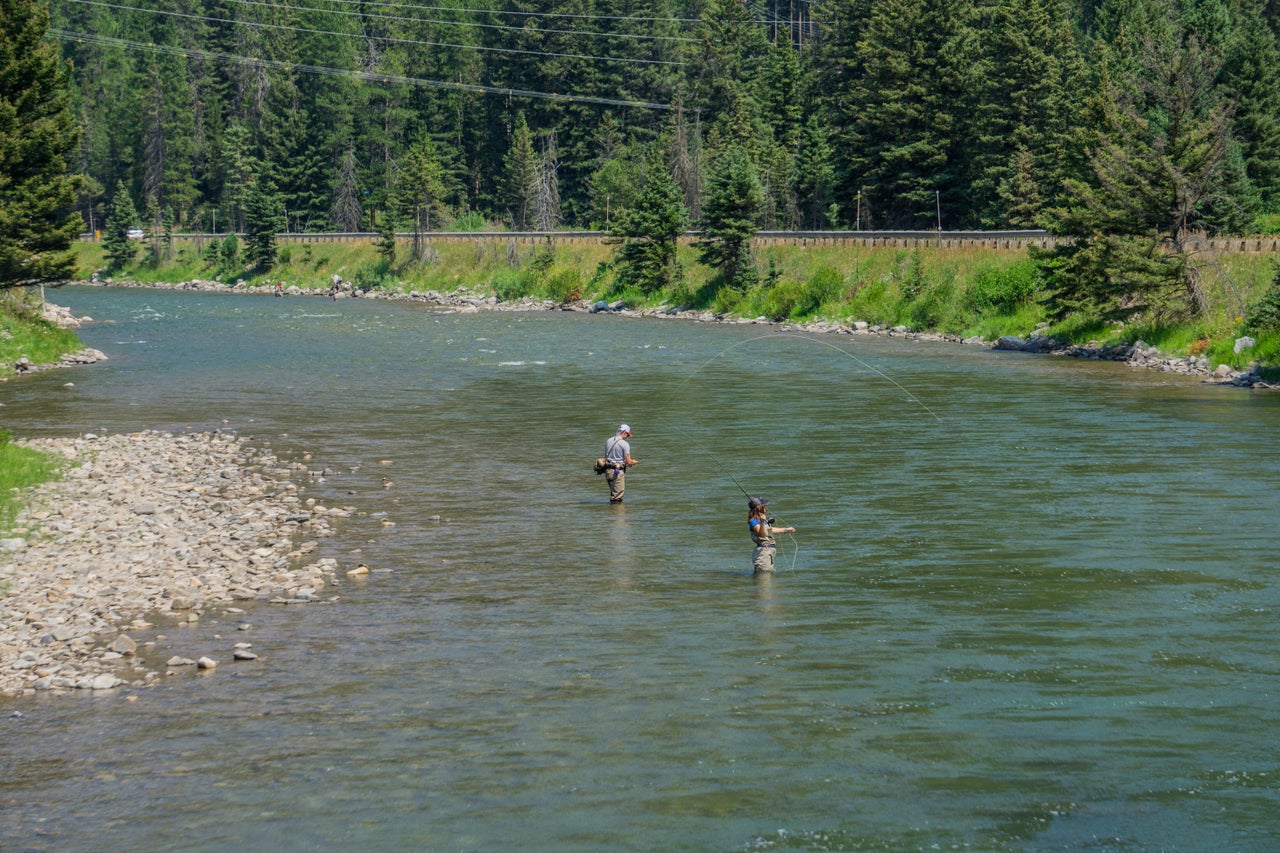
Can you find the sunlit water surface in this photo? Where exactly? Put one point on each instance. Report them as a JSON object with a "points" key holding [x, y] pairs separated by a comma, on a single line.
{"points": [[1031, 605]]}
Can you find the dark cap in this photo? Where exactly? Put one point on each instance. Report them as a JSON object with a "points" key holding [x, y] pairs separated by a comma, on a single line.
{"points": [[752, 503]]}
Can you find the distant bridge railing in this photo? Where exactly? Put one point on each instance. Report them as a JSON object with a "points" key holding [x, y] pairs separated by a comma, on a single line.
{"points": [[1012, 240]]}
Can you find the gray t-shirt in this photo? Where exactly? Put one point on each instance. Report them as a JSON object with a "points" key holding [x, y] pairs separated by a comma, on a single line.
{"points": [[616, 451]]}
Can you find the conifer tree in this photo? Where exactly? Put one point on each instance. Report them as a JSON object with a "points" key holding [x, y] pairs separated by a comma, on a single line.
{"points": [[522, 178], [118, 249], [730, 219], [911, 107], [649, 229], [1251, 69], [264, 219], [37, 137], [1160, 160], [420, 190], [1029, 74]]}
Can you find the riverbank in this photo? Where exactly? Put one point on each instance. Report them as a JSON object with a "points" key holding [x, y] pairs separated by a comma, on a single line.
{"points": [[144, 532]]}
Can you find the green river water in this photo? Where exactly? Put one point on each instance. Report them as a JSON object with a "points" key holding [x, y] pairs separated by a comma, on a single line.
{"points": [[1031, 603]]}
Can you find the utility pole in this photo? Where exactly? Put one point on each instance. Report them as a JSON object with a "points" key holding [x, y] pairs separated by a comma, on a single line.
{"points": [[937, 202]]}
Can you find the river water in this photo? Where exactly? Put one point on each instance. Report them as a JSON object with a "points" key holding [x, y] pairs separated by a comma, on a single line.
{"points": [[1031, 603]]}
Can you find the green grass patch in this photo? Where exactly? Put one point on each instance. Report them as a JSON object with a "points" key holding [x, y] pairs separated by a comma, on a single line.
{"points": [[21, 467], [24, 333]]}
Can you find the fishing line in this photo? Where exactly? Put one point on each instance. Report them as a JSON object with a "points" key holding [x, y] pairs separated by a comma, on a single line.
{"points": [[829, 345], [872, 368], [793, 335]]}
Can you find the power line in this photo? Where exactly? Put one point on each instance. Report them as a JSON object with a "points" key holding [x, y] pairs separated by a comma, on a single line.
{"points": [[194, 53], [504, 27], [493, 12], [637, 60]]}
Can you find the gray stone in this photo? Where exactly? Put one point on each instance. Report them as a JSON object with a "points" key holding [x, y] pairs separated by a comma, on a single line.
{"points": [[1011, 342], [1243, 343]]}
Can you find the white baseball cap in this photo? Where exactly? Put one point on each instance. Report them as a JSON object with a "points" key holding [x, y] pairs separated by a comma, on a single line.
{"points": [[624, 428]]}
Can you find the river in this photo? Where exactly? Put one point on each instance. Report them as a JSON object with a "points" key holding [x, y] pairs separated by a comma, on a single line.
{"points": [[1031, 603]]}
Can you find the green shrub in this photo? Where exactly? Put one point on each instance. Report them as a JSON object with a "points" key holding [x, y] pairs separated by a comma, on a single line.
{"points": [[470, 221], [563, 285], [1264, 315], [1268, 223], [1004, 289], [213, 252], [781, 301], [229, 254], [371, 274], [932, 307], [508, 284]]}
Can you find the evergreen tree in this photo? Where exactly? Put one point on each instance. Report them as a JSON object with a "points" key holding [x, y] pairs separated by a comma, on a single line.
{"points": [[1159, 162], [837, 65], [1251, 71], [907, 134], [118, 249], [1030, 73], [37, 138], [264, 219], [730, 219], [816, 172], [386, 242], [649, 229], [685, 157], [521, 169], [420, 190], [241, 167]]}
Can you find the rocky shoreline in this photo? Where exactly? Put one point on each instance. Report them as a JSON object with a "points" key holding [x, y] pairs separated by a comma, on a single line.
{"points": [[146, 531], [1138, 355]]}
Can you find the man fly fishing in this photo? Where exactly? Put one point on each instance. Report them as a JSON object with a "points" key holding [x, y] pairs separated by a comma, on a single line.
{"points": [[617, 454]]}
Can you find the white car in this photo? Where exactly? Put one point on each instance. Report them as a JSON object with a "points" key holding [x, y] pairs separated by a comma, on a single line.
{"points": [[135, 233]]}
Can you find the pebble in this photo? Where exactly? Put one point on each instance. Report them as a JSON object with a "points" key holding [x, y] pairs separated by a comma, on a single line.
{"points": [[145, 525]]}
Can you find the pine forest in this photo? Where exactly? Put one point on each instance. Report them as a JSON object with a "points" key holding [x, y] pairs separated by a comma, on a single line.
{"points": [[358, 115]]}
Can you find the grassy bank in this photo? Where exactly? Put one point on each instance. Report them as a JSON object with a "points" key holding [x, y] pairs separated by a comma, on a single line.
{"points": [[24, 333], [977, 292]]}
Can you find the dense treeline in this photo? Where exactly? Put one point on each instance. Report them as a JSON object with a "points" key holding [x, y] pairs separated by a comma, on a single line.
{"points": [[351, 114]]}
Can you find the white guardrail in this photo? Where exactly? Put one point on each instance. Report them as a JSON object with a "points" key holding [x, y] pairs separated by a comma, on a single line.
{"points": [[1013, 239]]}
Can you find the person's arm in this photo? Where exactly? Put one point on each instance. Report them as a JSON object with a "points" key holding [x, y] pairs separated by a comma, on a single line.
{"points": [[631, 461], [773, 529]]}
